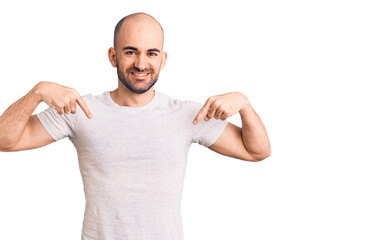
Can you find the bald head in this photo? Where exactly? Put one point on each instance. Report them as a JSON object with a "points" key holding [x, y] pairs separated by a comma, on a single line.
{"points": [[137, 20]]}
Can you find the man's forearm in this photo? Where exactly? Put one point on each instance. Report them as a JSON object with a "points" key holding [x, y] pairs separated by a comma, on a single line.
{"points": [[15, 118], [254, 134]]}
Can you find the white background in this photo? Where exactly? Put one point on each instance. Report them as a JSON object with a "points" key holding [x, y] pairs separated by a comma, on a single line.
{"points": [[316, 72]]}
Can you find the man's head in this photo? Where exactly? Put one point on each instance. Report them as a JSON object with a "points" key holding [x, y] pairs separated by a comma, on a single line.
{"points": [[138, 51]]}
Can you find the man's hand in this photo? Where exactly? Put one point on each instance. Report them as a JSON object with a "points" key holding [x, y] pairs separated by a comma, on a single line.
{"points": [[61, 98], [222, 106]]}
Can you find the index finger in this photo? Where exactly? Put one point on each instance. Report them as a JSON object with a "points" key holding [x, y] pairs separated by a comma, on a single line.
{"points": [[203, 111], [84, 106]]}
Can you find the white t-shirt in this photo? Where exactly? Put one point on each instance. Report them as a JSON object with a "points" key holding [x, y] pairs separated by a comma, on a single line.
{"points": [[132, 161]]}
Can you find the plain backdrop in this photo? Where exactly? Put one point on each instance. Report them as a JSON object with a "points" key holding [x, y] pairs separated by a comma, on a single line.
{"points": [[316, 72]]}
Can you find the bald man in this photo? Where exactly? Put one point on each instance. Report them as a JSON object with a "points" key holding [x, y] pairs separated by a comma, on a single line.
{"points": [[132, 143]]}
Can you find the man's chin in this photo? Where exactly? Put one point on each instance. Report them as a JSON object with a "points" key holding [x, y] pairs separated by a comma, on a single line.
{"points": [[140, 90], [137, 90], [139, 84]]}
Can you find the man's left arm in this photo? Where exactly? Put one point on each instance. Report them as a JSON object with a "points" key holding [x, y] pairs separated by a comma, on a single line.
{"points": [[250, 142]]}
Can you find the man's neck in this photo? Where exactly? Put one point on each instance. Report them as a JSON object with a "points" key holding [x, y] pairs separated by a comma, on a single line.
{"points": [[124, 97]]}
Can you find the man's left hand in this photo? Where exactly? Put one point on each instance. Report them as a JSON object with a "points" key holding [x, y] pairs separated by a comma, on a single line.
{"points": [[222, 106]]}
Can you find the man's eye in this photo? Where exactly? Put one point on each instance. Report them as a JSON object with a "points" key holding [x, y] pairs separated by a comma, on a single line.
{"points": [[130, 52], [152, 54]]}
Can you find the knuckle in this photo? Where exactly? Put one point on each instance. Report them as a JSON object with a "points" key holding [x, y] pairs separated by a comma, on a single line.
{"points": [[75, 92], [71, 97]]}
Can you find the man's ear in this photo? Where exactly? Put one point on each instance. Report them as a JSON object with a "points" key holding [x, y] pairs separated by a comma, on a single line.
{"points": [[112, 57], [164, 59]]}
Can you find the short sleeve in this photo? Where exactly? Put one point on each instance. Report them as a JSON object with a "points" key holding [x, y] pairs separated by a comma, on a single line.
{"points": [[58, 126], [206, 132]]}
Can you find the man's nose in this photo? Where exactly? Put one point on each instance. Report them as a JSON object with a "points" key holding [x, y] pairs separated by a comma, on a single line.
{"points": [[141, 62]]}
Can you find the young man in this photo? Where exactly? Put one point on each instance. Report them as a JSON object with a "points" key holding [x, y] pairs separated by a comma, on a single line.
{"points": [[132, 143]]}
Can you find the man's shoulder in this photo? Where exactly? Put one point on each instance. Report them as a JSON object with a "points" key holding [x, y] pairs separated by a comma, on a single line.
{"points": [[96, 100], [92, 97], [177, 102]]}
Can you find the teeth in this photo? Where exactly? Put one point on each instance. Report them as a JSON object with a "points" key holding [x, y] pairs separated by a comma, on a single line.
{"points": [[141, 75]]}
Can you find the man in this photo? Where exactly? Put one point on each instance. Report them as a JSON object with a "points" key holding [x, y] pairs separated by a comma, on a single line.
{"points": [[132, 143]]}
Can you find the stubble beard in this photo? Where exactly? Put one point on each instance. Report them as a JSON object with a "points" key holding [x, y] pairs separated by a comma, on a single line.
{"points": [[128, 83]]}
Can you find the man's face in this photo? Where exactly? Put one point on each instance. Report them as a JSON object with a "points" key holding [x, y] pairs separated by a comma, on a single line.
{"points": [[139, 56], [137, 79]]}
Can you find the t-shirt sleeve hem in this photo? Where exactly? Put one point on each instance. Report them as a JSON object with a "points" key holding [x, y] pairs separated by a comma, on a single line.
{"points": [[45, 124], [218, 130]]}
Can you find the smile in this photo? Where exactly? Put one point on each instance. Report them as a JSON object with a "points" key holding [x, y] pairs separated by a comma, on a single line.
{"points": [[143, 75]]}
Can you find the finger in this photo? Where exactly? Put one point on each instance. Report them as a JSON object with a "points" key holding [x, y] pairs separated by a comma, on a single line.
{"points": [[203, 111], [73, 106], [224, 116], [211, 112], [84, 106], [67, 109], [60, 110], [219, 113]]}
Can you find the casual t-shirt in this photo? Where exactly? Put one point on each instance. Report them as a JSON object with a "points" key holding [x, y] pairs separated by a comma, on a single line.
{"points": [[132, 161]]}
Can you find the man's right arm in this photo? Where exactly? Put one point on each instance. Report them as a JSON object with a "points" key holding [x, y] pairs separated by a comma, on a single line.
{"points": [[17, 124], [19, 130]]}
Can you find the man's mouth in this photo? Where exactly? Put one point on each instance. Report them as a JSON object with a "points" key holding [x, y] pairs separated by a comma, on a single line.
{"points": [[140, 75]]}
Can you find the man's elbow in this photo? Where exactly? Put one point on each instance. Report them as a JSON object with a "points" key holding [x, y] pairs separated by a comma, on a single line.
{"points": [[263, 156], [5, 148]]}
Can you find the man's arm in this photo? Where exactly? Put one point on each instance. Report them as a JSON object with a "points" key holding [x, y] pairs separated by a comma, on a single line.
{"points": [[250, 142], [20, 131], [15, 119]]}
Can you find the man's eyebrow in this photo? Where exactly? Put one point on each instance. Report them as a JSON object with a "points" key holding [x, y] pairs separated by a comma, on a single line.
{"points": [[136, 49], [130, 48], [153, 50]]}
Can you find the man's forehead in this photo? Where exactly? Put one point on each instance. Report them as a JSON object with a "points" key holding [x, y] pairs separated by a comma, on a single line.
{"points": [[141, 43], [141, 32]]}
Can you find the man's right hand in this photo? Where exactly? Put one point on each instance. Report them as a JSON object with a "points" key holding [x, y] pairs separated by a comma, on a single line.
{"points": [[61, 98]]}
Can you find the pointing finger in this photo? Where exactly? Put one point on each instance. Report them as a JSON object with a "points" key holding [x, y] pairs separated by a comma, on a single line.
{"points": [[84, 106], [203, 111]]}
